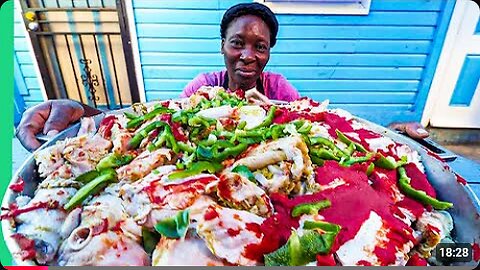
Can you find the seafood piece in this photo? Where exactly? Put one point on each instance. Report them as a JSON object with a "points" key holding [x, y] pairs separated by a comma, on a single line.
{"points": [[150, 201], [228, 232], [238, 192], [110, 248], [145, 163], [291, 153], [191, 251]]}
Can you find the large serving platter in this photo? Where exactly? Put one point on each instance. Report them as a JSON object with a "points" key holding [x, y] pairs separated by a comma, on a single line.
{"points": [[466, 211]]}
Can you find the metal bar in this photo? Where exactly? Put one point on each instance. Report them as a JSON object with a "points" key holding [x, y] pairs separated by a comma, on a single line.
{"points": [[73, 68], [58, 3], [85, 57], [43, 3], [79, 33], [103, 4], [101, 71], [78, 9], [88, 3], [62, 87], [47, 82], [115, 71], [47, 21], [127, 51]]}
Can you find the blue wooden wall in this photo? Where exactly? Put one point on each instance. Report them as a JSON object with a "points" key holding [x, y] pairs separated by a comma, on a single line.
{"points": [[378, 66], [25, 77]]}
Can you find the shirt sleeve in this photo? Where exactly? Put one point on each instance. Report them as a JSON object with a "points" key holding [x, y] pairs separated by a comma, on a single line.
{"points": [[285, 90], [194, 85]]}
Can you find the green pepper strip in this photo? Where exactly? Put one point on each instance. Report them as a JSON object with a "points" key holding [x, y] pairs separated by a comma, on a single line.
{"points": [[324, 154], [322, 225], [87, 177], [197, 168], [113, 160], [343, 138], [142, 134], [352, 160], [384, 162], [130, 116], [370, 169], [198, 120], [310, 208], [336, 151], [174, 227], [268, 119], [245, 172], [107, 176], [185, 147], [419, 195], [134, 123], [318, 161]]}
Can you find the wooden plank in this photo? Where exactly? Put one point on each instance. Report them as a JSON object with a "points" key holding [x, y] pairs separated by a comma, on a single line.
{"points": [[32, 83], [311, 85], [24, 57], [407, 5], [292, 46], [363, 97], [20, 44], [214, 17], [294, 32], [34, 95], [152, 72], [280, 59], [28, 70], [18, 30], [382, 5]]}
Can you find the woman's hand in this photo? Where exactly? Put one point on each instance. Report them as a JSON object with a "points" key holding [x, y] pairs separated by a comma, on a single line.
{"points": [[49, 118], [412, 129], [256, 97]]}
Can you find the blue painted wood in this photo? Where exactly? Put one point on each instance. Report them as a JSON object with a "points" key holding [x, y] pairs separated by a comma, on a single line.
{"points": [[382, 5], [19, 104], [32, 83], [20, 85], [477, 29], [467, 82], [304, 72], [444, 21], [311, 85], [289, 46], [28, 70], [295, 32], [172, 16], [292, 59]]}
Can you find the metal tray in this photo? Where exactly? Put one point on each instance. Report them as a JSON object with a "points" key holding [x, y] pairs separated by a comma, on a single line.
{"points": [[466, 212]]}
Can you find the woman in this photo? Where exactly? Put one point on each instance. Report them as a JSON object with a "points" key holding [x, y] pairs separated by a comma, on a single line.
{"points": [[248, 33]]}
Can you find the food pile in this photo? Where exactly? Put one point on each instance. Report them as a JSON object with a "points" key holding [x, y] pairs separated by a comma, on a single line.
{"points": [[216, 180]]}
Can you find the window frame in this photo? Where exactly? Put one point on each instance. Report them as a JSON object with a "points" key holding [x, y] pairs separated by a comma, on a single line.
{"points": [[329, 7]]}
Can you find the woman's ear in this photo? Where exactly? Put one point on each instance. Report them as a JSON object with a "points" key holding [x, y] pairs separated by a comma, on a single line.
{"points": [[221, 48]]}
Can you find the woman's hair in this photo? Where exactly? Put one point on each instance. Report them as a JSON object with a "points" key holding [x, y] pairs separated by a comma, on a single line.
{"points": [[256, 9]]}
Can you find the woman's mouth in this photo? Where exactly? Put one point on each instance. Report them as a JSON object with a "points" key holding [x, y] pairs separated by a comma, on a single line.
{"points": [[246, 72]]}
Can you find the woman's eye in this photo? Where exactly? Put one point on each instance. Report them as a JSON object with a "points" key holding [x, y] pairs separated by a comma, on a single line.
{"points": [[261, 48], [236, 43]]}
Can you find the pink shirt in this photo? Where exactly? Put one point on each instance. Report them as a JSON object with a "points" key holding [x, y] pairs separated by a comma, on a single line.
{"points": [[274, 85]]}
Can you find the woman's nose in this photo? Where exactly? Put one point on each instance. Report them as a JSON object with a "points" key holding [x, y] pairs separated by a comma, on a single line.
{"points": [[248, 55]]}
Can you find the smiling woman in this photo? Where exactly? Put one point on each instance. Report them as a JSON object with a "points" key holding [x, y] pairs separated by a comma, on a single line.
{"points": [[248, 31]]}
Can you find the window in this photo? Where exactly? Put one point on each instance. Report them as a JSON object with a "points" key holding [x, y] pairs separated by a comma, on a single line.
{"points": [[347, 7]]}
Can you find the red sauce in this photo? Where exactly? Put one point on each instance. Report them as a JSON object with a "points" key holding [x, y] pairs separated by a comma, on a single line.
{"points": [[364, 263], [476, 252], [326, 260], [18, 186], [100, 228], [283, 115], [460, 179], [14, 211], [106, 125], [254, 227], [337, 122], [233, 232], [224, 188], [211, 213], [433, 154], [419, 180], [27, 246], [191, 187], [416, 260], [433, 229]]}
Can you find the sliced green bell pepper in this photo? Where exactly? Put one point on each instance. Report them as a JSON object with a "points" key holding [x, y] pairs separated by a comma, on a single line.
{"points": [[94, 186], [419, 195], [310, 208], [174, 227]]}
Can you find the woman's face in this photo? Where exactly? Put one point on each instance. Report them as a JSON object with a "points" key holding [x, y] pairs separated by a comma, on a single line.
{"points": [[246, 50]]}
